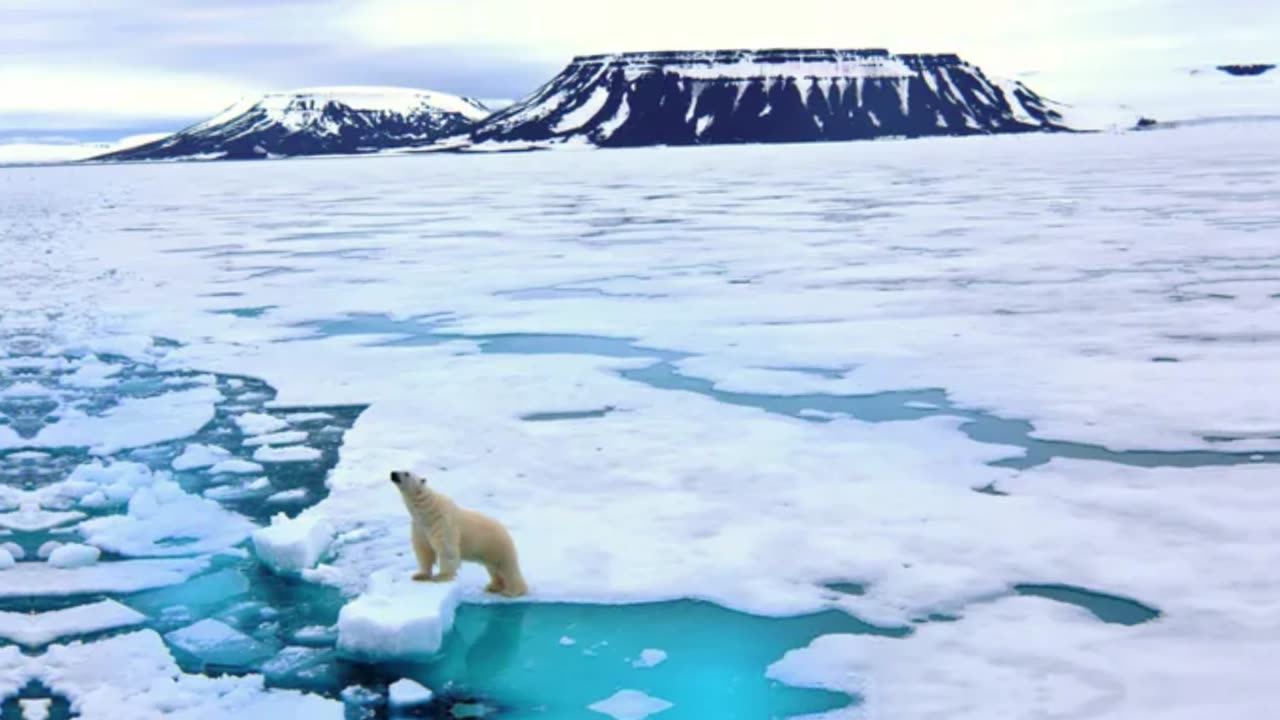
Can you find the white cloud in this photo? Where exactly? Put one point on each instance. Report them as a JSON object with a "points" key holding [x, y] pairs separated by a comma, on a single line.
{"points": [[64, 95], [80, 64], [1005, 35]]}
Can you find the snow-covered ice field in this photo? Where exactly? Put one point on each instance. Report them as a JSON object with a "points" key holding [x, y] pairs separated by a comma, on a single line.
{"points": [[1007, 406]]}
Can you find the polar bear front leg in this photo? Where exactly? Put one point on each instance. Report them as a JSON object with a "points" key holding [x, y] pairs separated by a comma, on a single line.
{"points": [[425, 554], [447, 543]]}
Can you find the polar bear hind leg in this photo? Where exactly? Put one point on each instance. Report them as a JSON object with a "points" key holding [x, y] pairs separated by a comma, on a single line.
{"points": [[496, 583], [510, 581]]}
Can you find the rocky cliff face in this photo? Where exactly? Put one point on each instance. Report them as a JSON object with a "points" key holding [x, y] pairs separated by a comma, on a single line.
{"points": [[739, 96]]}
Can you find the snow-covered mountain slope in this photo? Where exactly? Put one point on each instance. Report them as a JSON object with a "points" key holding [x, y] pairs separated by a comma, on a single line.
{"points": [[734, 96], [1168, 95], [40, 153], [317, 121]]}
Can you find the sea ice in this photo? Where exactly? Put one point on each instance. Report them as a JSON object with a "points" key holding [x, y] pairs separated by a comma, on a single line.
{"points": [[216, 643], [630, 705], [29, 579], [164, 520], [246, 489], [397, 619], [35, 708], [289, 546], [134, 422], [315, 635], [46, 549], [294, 664], [6, 559], [74, 555], [97, 485], [133, 675], [649, 657], [290, 454], [197, 455], [35, 630], [286, 437], [893, 266], [15, 550], [302, 418], [235, 466], [405, 693], [31, 518], [259, 423], [288, 496]]}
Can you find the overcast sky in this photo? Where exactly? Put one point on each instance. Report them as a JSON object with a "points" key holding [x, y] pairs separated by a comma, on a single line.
{"points": [[90, 69]]}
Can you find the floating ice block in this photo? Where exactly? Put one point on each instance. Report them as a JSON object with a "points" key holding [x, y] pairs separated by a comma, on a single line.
{"points": [[290, 546], [397, 619], [216, 643]]}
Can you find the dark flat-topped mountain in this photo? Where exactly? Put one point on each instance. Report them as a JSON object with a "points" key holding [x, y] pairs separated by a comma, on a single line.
{"points": [[317, 122], [742, 96], [1246, 70]]}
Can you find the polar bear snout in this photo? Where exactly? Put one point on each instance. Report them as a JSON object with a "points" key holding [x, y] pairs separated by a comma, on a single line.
{"points": [[406, 479]]}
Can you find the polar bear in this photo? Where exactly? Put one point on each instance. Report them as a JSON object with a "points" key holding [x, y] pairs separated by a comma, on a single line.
{"points": [[450, 534]]}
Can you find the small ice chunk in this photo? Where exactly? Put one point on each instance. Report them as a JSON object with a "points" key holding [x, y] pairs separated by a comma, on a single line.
{"points": [[43, 628], [405, 693], [259, 423], [31, 518], [99, 485], [236, 466], [246, 489], [74, 555], [288, 496], [815, 414], [566, 641], [292, 453], [216, 643], [315, 635], [200, 456], [15, 550], [290, 546], [307, 417], [649, 657], [95, 500], [397, 619], [296, 663], [361, 696], [6, 558], [45, 550], [35, 708], [287, 437], [630, 705]]}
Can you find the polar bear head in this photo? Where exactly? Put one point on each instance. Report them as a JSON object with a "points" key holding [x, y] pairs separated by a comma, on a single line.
{"points": [[407, 480], [412, 487]]}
